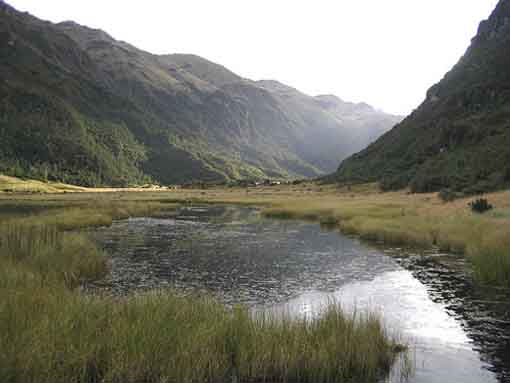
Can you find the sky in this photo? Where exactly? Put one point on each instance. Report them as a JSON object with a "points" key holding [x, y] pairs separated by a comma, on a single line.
{"points": [[386, 53]]}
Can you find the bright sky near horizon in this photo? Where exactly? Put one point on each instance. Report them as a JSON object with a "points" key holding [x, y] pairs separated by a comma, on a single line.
{"points": [[386, 53]]}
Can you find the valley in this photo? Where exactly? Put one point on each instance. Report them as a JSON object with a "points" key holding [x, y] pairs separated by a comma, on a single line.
{"points": [[164, 219], [413, 236], [80, 107]]}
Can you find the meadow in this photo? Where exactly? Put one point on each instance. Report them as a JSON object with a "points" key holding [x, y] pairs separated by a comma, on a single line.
{"points": [[53, 331], [393, 218], [417, 220]]}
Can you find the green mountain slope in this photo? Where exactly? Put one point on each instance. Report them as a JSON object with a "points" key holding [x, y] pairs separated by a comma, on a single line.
{"points": [[459, 138], [78, 106]]}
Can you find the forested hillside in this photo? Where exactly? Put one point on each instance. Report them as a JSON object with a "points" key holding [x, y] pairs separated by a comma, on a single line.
{"points": [[78, 106], [459, 138]]}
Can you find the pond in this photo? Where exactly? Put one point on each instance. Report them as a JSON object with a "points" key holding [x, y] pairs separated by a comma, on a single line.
{"points": [[457, 331]]}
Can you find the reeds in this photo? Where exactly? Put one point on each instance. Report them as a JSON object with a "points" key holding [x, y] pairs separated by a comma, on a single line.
{"points": [[399, 219], [50, 331], [49, 254]]}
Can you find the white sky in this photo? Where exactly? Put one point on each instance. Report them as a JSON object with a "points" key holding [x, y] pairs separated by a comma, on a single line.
{"points": [[386, 53]]}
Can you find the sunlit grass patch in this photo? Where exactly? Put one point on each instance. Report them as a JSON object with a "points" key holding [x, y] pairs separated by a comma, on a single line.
{"points": [[89, 214], [17, 185], [416, 220], [394, 218]]}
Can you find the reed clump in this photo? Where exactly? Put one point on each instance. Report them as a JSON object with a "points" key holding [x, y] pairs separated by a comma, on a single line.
{"points": [[423, 221], [50, 331], [397, 218], [84, 214], [47, 253]]}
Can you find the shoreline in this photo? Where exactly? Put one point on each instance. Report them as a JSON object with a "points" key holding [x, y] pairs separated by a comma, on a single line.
{"points": [[61, 334], [396, 218]]}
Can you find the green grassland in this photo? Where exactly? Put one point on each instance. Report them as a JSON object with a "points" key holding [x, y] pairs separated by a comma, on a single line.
{"points": [[400, 218], [51, 331]]}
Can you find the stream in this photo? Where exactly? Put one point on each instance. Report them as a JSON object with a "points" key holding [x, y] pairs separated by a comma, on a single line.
{"points": [[457, 331]]}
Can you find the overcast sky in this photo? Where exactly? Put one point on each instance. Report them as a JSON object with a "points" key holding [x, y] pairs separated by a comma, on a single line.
{"points": [[386, 53]]}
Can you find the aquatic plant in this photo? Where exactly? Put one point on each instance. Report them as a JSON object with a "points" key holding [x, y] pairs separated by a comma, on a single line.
{"points": [[50, 331], [415, 220]]}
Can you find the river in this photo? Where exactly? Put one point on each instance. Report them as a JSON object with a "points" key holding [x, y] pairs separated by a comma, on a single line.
{"points": [[456, 330]]}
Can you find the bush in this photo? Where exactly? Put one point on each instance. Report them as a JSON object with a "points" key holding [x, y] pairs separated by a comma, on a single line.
{"points": [[480, 205], [447, 195]]}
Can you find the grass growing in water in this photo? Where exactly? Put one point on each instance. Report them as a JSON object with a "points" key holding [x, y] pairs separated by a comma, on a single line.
{"points": [[394, 218], [416, 220], [45, 252], [51, 332]]}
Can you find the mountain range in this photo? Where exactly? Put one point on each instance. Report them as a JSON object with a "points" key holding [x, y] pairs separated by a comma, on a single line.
{"points": [[78, 106], [458, 139]]}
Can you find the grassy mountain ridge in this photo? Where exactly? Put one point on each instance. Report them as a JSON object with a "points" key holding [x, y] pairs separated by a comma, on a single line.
{"points": [[78, 106], [459, 137]]}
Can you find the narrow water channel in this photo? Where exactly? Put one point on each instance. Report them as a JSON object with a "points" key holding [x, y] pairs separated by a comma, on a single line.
{"points": [[457, 332]]}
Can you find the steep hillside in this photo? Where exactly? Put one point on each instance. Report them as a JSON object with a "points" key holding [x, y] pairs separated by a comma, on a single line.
{"points": [[328, 127], [459, 138], [78, 106], [366, 123]]}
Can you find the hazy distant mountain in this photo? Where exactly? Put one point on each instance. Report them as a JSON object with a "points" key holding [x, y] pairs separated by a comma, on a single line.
{"points": [[366, 123], [459, 138], [78, 105]]}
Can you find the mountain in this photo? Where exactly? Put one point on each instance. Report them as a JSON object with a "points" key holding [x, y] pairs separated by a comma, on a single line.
{"points": [[76, 105], [459, 138], [367, 123]]}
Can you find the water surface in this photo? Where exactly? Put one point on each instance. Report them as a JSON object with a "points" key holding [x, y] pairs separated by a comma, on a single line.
{"points": [[457, 331]]}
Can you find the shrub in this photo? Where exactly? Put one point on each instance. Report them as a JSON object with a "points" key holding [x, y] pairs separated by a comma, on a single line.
{"points": [[447, 195], [480, 205]]}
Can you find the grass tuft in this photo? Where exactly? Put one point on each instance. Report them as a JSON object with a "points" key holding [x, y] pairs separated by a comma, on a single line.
{"points": [[52, 332], [415, 220]]}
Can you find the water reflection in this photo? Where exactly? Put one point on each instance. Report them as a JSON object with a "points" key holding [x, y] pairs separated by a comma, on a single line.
{"points": [[483, 312], [239, 257], [241, 260], [441, 349]]}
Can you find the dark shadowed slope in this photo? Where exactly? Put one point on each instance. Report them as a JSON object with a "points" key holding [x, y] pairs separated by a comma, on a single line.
{"points": [[79, 106], [459, 138]]}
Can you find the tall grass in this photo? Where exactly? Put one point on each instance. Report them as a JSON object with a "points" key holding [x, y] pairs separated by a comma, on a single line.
{"points": [[52, 255], [397, 219], [160, 337], [489, 252], [52, 332], [82, 214]]}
